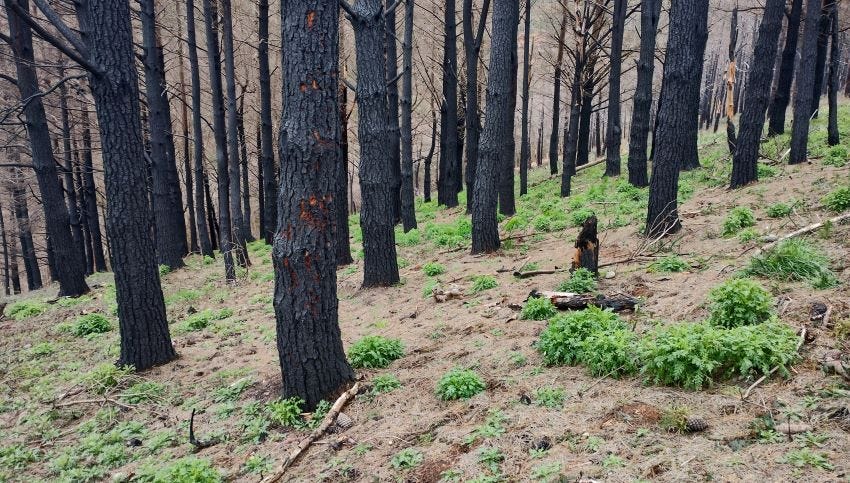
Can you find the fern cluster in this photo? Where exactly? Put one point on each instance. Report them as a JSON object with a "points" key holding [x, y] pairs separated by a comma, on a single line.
{"points": [[581, 281], [562, 342], [539, 308], [375, 352], [739, 302]]}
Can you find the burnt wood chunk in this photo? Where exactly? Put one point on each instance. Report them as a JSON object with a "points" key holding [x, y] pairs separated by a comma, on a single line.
{"points": [[587, 247]]}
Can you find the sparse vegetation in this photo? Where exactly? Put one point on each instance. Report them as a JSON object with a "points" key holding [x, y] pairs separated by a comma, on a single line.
{"points": [[459, 384], [540, 308], [481, 283], [668, 264], [375, 352], [581, 281], [432, 269], [779, 210], [24, 309], [90, 324], [739, 218], [792, 260]]}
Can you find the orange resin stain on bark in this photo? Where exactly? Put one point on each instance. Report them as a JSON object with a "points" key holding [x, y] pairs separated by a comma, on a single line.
{"points": [[311, 19]]}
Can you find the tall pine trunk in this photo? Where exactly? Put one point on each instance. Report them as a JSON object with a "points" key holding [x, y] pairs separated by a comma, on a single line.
{"points": [[556, 97], [408, 210], [312, 359], [343, 245], [820, 59], [449, 162], [805, 84], [19, 204], [678, 116], [472, 49], [745, 159], [184, 125], [90, 193], [145, 340], [507, 201], [393, 106], [525, 143], [495, 142], [833, 81], [270, 184], [782, 96], [614, 130], [71, 204]]}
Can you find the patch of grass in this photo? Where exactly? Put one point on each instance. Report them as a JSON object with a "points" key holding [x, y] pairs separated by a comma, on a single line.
{"points": [[748, 235], [550, 397], [385, 383], [201, 320], [24, 309], [459, 384], [231, 392], [779, 210], [581, 281], [491, 458], [837, 156], [189, 469], [803, 457], [73, 301], [493, 426], [837, 200], [143, 391], [739, 218], [544, 471], [669, 264], [561, 342], [406, 459], [42, 349], [481, 283], [106, 377], [794, 259], [409, 239], [539, 308], [375, 351], [675, 419], [739, 302], [17, 457], [756, 349], [164, 270], [90, 324], [183, 295], [432, 269]]}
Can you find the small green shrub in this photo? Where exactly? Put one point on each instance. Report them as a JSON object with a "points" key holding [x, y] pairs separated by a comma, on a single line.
{"points": [[208, 260], [739, 302], [257, 464], [779, 210], [459, 384], [385, 383], [675, 419], [748, 235], [581, 281], [164, 270], [685, 355], [561, 342], [481, 283], [579, 216], [90, 324], [24, 309], [432, 269], [739, 218], [837, 156], [794, 259], [188, 469], [838, 200], [17, 457], [756, 349], [540, 308], [375, 352], [670, 263], [406, 459], [766, 171], [42, 349], [286, 412], [610, 352], [550, 397]]}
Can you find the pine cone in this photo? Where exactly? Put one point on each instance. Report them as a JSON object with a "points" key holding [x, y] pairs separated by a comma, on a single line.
{"points": [[695, 424], [344, 421]]}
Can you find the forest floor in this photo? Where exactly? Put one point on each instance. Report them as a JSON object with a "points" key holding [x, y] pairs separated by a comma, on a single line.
{"points": [[66, 415]]}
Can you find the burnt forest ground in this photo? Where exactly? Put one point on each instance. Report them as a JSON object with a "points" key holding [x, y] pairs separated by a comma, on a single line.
{"points": [[67, 414]]}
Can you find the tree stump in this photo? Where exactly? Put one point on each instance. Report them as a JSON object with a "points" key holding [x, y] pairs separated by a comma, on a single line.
{"points": [[587, 247]]}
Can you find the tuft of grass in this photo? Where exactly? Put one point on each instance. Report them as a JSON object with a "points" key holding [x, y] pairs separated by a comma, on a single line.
{"points": [[675, 419], [375, 351], [779, 210], [540, 308], [838, 200], [25, 309], [106, 377], [739, 302], [432, 269], [794, 259], [739, 218], [143, 391], [459, 384], [581, 281], [385, 383], [90, 324], [481, 283], [670, 263]]}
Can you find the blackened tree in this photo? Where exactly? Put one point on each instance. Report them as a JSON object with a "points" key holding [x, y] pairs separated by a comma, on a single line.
{"points": [[408, 210], [188, 179], [614, 129], [472, 40], [641, 115], [495, 142], [745, 159], [824, 27], [343, 247], [393, 133], [507, 198], [90, 190], [74, 215], [556, 97], [18, 191], [266, 140], [312, 359], [834, 72], [380, 267], [805, 84], [678, 114], [781, 98], [525, 143], [449, 165]]}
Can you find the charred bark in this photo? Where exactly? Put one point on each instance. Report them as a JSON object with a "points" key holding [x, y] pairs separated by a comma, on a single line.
{"points": [[449, 164], [805, 84], [19, 205], [525, 143], [614, 130], [472, 48], [393, 107], [408, 210], [641, 112], [782, 97], [343, 246], [834, 68], [556, 97], [270, 183]]}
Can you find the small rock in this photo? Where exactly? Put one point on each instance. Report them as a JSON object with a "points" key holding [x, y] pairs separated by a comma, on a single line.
{"points": [[769, 238], [610, 274]]}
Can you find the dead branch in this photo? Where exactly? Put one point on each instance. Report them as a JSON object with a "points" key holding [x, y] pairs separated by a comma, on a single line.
{"points": [[533, 273], [573, 301], [804, 230]]}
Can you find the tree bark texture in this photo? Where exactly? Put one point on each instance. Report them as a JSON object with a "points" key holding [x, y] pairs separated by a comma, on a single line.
{"points": [[472, 40], [614, 130], [782, 97], [270, 183], [525, 143], [641, 111], [805, 84], [449, 163], [408, 210]]}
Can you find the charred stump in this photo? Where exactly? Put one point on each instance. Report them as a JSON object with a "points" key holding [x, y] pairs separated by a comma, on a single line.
{"points": [[587, 247]]}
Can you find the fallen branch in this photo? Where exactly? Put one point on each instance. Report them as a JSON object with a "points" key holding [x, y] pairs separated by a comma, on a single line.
{"points": [[533, 273], [776, 368], [804, 230], [316, 434], [574, 301], [194, 442]]}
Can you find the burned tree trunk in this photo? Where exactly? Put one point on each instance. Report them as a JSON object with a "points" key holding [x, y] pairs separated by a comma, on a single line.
{"points": [[556, 97], [834, 67], [5, 242], [243, 169], [583, 146], [472, 49], [393, 131], [426, 183], [587, 247], [266, 148], [805, 84], [187, 160], [90, 193], [745, 159], [145, 340], [22, 217], [14, 269], [507, 198], [449, 164], [782, 97], [677, 117], [204, 228], [309, 343], [641, 115], [731, 74], [380, 267], [343, 246], [525, 143], [824, 22], [614, 130], [571, 134], [408, 210], [495, 145], [71, 272], [68, 171]]}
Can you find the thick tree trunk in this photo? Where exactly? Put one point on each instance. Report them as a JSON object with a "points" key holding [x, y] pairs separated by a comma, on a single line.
{"points": [[525, 143], [821, 57], [679, 113], [782, 97], [392, 106], [583, 152], [204, 228], [343, 246], [614, 130], [571, 134], [507, 202], [237, 221], [448, 165], [805, 84], [556, 97], [641, 112], [834, 68], [745, 159], [408, 210], [184, 124], [270, 182], [18, 191], [74, 218], [166, 198], [312, 359], [472, 48], [495, 142], [380, 267], [71, 272], [145, 340], [225, 231]]}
